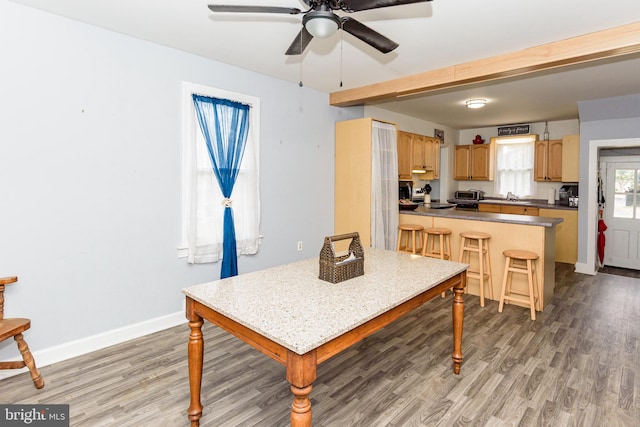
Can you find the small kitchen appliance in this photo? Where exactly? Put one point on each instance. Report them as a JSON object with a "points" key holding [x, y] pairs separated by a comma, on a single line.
{"points": [[405, 190], [568, 192], [418, 195], [427, 193], [467, 200]]}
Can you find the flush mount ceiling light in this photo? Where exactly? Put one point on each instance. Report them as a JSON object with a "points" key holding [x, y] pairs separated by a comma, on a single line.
{"points": [[321, 23], [476, 103]]}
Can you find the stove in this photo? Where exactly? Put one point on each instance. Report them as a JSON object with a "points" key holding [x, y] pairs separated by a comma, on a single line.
{"points": [[418, 195]]}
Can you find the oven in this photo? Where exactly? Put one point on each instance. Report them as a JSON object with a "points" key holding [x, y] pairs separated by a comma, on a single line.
{"points": [[467, 200], [471, 207]]}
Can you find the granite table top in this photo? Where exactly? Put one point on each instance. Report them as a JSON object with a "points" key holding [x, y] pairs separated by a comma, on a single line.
{"points": [[290, 305]]}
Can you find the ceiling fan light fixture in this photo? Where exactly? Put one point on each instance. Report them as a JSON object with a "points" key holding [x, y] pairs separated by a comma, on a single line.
{"points": [[321, 23], [476, 103]]}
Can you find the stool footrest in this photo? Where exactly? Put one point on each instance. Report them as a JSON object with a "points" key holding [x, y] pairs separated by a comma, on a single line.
{"points": [[516, 299], [436, 255], [475, 274]]}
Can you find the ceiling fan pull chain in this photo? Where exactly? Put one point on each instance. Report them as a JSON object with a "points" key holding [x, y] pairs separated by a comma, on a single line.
{"points": [[341, 55], [300, 83]]}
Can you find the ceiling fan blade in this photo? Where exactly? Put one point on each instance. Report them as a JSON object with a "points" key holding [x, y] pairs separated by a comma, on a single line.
{"points": [[357, 5], [253, 9], [300, 43], [368, 35]]}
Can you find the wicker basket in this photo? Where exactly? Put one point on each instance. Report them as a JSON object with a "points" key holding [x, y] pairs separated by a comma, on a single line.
{"points": [[337, 269]]}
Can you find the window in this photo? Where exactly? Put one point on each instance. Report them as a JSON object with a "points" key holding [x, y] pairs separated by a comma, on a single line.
{"points": [[514, 165], [626, 193], [202, 209]]}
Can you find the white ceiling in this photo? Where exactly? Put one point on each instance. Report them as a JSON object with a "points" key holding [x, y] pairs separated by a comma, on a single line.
{"points": [[431, 35]]}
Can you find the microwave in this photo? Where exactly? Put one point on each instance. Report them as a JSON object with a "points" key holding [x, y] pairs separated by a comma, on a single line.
{"points": [[469, 195]]}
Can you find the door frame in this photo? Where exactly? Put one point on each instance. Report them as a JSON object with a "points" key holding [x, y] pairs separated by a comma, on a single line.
{"points": [[593, 160], [605, 162]]}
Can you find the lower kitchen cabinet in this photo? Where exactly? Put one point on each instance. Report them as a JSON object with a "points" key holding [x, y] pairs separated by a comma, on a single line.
{"points": [[566, 234], [508, 209]]}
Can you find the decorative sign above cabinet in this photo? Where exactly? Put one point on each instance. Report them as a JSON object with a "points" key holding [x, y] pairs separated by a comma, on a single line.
{"points": [[513, 130]]}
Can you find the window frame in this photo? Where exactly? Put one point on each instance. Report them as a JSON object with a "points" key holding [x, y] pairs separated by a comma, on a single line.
{"points": [[515, 139], [190, 132]]}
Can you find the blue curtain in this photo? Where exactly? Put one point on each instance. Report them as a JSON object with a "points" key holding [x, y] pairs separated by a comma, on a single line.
{"points": [[224, 125]]}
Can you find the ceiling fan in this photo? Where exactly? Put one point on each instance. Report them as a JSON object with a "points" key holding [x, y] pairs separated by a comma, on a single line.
{"points": [[321, 21]]}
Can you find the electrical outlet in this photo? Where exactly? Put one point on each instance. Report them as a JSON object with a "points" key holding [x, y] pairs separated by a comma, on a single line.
{"points": [[300, 245]]}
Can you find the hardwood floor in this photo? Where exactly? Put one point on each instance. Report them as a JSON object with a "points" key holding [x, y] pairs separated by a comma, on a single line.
{"points": [[619, 271], [574, 366]]}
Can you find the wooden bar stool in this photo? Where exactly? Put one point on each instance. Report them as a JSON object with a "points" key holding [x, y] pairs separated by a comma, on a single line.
{"points": [[409, 229], [443, 235], [477, 242], [513, 264]]}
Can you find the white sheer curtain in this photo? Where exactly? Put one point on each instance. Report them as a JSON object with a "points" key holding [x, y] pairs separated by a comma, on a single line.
{"points": [[384, 186], [514, 167], [206, 216], [202, 209]]}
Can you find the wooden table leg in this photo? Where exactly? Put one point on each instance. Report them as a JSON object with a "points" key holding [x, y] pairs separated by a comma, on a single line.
{"points": [[458, 320], [196, 353], [301, 373]]}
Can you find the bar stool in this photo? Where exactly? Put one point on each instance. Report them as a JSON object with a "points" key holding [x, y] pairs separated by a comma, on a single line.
{"points": [[513, 266], [443, 235], [409, 229], [477, 242]]}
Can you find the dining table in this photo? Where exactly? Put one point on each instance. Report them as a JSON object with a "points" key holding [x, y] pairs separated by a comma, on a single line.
{"points": [[291, 315]]}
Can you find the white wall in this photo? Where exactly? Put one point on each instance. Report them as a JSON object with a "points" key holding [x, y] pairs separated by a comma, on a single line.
{"points": [[90, 149], [604, 123]]}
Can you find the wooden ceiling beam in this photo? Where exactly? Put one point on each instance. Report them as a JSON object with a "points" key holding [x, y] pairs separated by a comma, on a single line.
{"points": [[609, 43]]}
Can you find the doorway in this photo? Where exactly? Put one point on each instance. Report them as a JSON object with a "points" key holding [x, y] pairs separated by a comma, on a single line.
{"points": [[622, 211]]}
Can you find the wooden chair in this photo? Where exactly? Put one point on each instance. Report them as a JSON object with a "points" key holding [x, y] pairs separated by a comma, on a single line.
{"points": [[14, 328]]}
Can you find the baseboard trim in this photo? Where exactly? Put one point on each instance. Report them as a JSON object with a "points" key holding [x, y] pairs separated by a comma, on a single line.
{"points": [[585, 268], [96, 342]]}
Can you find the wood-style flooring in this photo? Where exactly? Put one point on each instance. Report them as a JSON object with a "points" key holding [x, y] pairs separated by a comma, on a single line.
{"points": [[577, 365]]}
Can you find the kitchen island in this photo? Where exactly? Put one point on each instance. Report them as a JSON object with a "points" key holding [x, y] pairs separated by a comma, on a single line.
{"points": [[531, 233]]}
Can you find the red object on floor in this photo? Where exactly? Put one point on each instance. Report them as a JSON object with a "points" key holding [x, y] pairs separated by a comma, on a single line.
{"points": [[602, 227]]}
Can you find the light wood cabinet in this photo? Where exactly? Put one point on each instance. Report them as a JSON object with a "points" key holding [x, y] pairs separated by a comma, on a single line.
{"points": [[566, 234], [352, 193], [508, 209], [548, 161], [570, 158], [419, 157], [434, 148], [418, 152], [473, 162], [405, 149]]}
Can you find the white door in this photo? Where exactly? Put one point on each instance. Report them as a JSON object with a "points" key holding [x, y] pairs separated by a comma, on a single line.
{"points": [[622, 215]]}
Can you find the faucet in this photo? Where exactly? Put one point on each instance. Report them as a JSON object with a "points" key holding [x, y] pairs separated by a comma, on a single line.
{"points": [[512, 197]]}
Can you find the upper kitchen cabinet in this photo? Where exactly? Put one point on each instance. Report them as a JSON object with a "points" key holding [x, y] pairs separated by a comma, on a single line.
{"points": [[405, 149], [418, 154], [473, 162], [570, 157], [432, 157], [548, 161]]}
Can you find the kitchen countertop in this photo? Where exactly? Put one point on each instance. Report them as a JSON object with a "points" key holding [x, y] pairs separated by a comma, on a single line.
{"points": [[487, 216], [535, 203]]}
